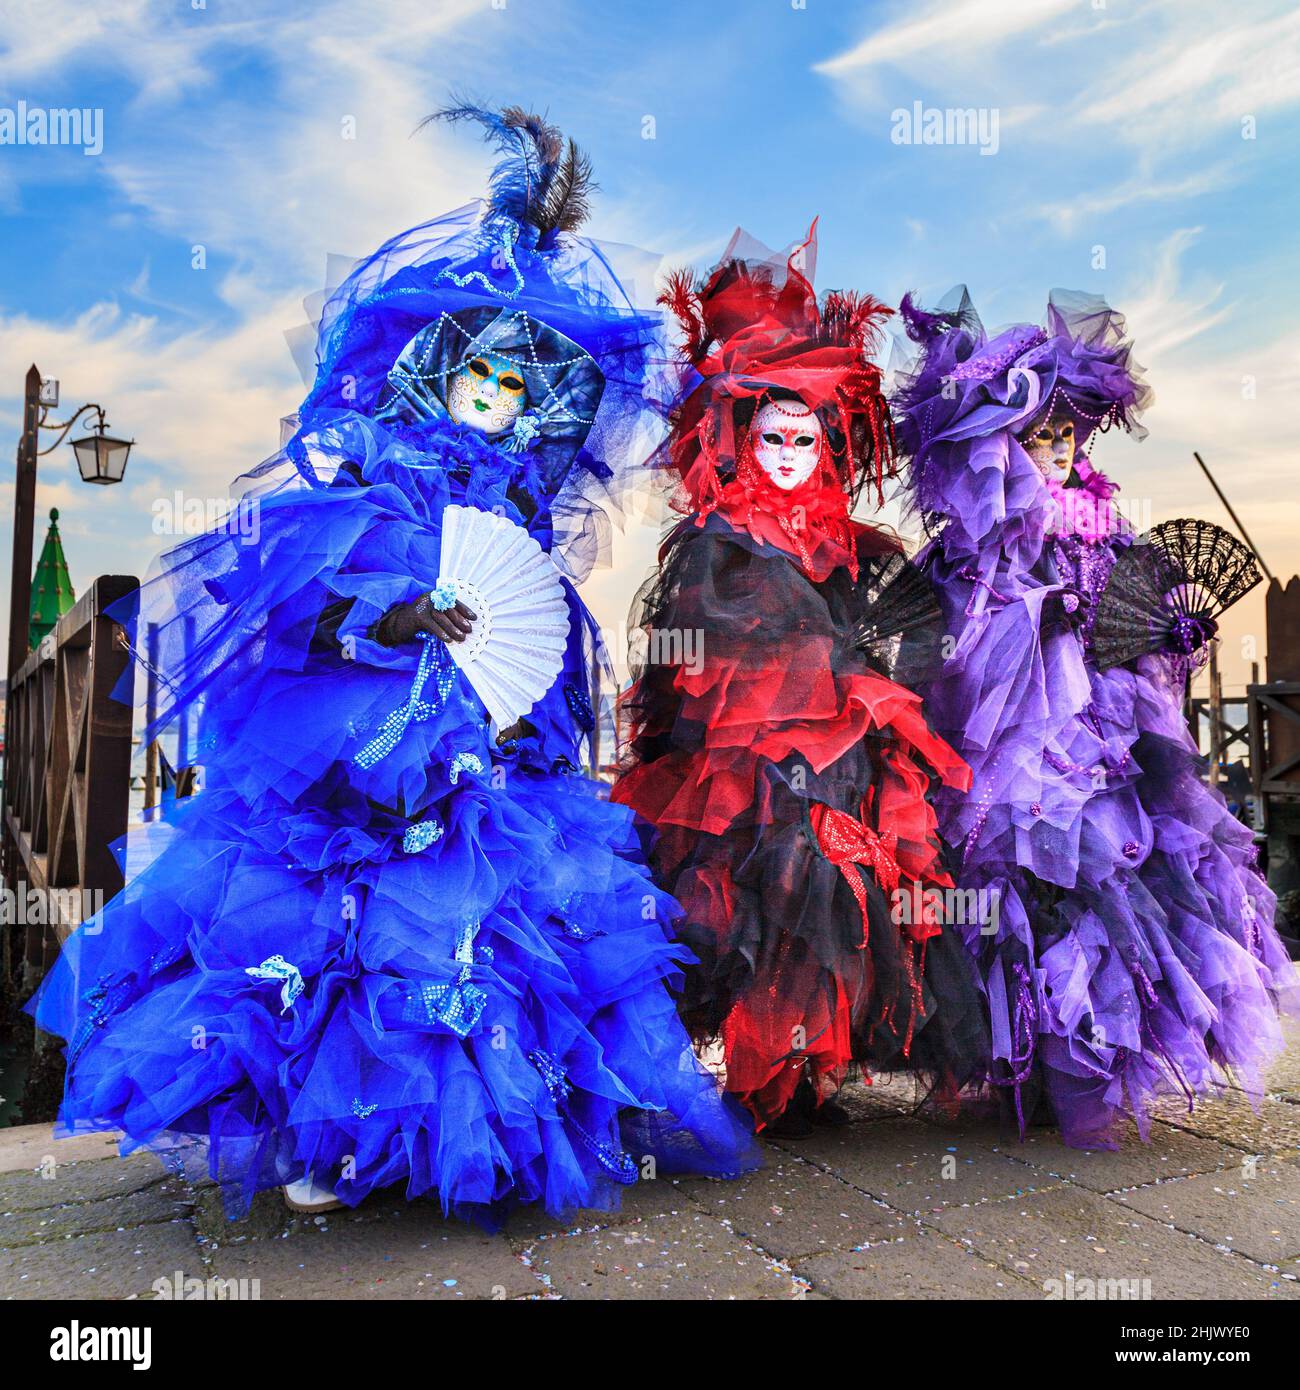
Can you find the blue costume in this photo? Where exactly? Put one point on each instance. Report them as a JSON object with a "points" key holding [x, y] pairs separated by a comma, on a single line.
{"points": [[379, 947]]}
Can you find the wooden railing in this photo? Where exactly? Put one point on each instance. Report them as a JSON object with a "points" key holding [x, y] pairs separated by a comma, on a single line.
{"points": [[1274, 717], [67, 775]]}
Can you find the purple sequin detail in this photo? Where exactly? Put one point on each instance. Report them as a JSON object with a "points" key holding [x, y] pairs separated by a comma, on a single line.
{"points": [[1025, 1030], [981, 367]]}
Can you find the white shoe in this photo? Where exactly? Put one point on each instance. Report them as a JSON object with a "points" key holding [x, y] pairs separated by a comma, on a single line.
{"points": [[306, 1196]]}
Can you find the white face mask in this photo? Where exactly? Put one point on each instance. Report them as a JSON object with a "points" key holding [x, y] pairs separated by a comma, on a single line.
{"points": [[487, 393], [787, 441]]}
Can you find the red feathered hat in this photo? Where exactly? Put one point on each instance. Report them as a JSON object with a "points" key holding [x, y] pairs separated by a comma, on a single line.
{"points": [[753, 329]]}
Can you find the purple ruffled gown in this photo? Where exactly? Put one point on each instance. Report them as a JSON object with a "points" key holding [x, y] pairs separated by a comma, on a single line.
{"points": [[1128, 947]]}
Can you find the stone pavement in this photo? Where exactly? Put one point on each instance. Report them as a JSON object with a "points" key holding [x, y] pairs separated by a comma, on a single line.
{"points": [[892, 1206]]}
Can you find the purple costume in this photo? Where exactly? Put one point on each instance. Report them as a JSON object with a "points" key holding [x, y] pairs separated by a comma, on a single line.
{"points": [[1127, 946]]}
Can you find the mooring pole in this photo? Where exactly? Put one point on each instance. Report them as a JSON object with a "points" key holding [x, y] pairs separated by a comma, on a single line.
{"points": [[1236, 520]]}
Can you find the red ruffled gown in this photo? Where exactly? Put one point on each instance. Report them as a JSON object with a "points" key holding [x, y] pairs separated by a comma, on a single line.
{"points": [[785, 778]]}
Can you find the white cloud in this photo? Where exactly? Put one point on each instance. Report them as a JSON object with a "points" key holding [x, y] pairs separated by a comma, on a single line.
{"points": [[1174, 73], [1140, 188], [957, 32]]}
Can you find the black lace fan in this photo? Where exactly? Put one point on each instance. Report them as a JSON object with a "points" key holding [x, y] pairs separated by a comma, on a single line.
{"points": [[894, 599], [1168, 589]]}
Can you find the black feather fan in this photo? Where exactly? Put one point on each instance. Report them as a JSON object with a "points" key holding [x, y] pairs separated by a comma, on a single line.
{"points": [[894, 599]]}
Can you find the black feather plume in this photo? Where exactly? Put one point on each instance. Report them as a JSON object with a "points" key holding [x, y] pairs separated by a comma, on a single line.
{"points": [[564, 207], [542, 179]]}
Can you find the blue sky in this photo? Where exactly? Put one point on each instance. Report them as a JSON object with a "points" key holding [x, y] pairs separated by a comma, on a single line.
{"points": [[1120, 137]]}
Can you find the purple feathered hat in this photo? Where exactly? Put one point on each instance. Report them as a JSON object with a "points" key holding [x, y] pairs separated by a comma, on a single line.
{"points": [[1080, 362]]}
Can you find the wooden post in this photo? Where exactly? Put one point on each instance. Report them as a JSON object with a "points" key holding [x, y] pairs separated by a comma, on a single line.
{"points": [[20, 594], [1216, 716]]}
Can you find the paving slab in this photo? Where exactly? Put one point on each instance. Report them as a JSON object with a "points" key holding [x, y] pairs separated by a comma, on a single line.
{"points": [[1257, 1215], [691, 1256], [916, 1167], [1229, 1117], [1170, 1153], [85, 1181], [161, 1201], [376, 1252], [1069, 1234], [34, 1146], [117, 1264], [917, 1264], [639, 1202], [793, 1208]]}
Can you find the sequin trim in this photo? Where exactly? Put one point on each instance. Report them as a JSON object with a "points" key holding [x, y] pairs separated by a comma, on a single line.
{"points": [[435, 660], [277, 968]]}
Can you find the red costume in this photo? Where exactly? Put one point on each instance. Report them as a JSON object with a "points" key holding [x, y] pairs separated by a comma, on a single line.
{"points": [[785, 777]]}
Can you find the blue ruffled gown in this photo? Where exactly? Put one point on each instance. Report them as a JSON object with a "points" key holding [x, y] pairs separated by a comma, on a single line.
{"points": [[443, 965]]}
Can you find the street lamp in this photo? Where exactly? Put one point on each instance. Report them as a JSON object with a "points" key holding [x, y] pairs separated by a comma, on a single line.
{"points": [[101, 458]]}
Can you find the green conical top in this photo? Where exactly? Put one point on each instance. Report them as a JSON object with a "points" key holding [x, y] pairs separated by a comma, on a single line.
{"points": [[52, 594]]}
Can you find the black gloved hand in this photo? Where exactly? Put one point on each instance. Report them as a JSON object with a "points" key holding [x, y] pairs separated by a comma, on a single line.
{"points": [[402, 622]]}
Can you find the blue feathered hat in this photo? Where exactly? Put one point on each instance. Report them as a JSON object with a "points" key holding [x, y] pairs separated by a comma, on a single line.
{"points": [[511, 275]]}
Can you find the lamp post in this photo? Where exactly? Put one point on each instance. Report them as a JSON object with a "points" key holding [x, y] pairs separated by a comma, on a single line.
{"points": [[100, 459]]}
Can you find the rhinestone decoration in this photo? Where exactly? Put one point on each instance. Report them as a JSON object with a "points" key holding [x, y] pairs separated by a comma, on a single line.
{"points": [[105, 998], [435, 660], [579, 703], [464, 762], [576, 933], [508, 234], [553, 1076], [457, 1006], [615, 1161], [277, 968], [978, 367], [421, 834], [363, 1112]]}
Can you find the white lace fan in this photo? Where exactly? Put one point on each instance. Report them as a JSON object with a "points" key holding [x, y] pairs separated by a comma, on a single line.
{"points": [[516, 648]]}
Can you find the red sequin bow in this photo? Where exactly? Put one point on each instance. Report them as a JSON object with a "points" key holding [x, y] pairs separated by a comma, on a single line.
{"points": [[847, 842]]}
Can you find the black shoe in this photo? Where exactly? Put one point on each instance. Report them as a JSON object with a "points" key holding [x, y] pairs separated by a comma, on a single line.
{"points": [[792, 1123], [831, 1114]]}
